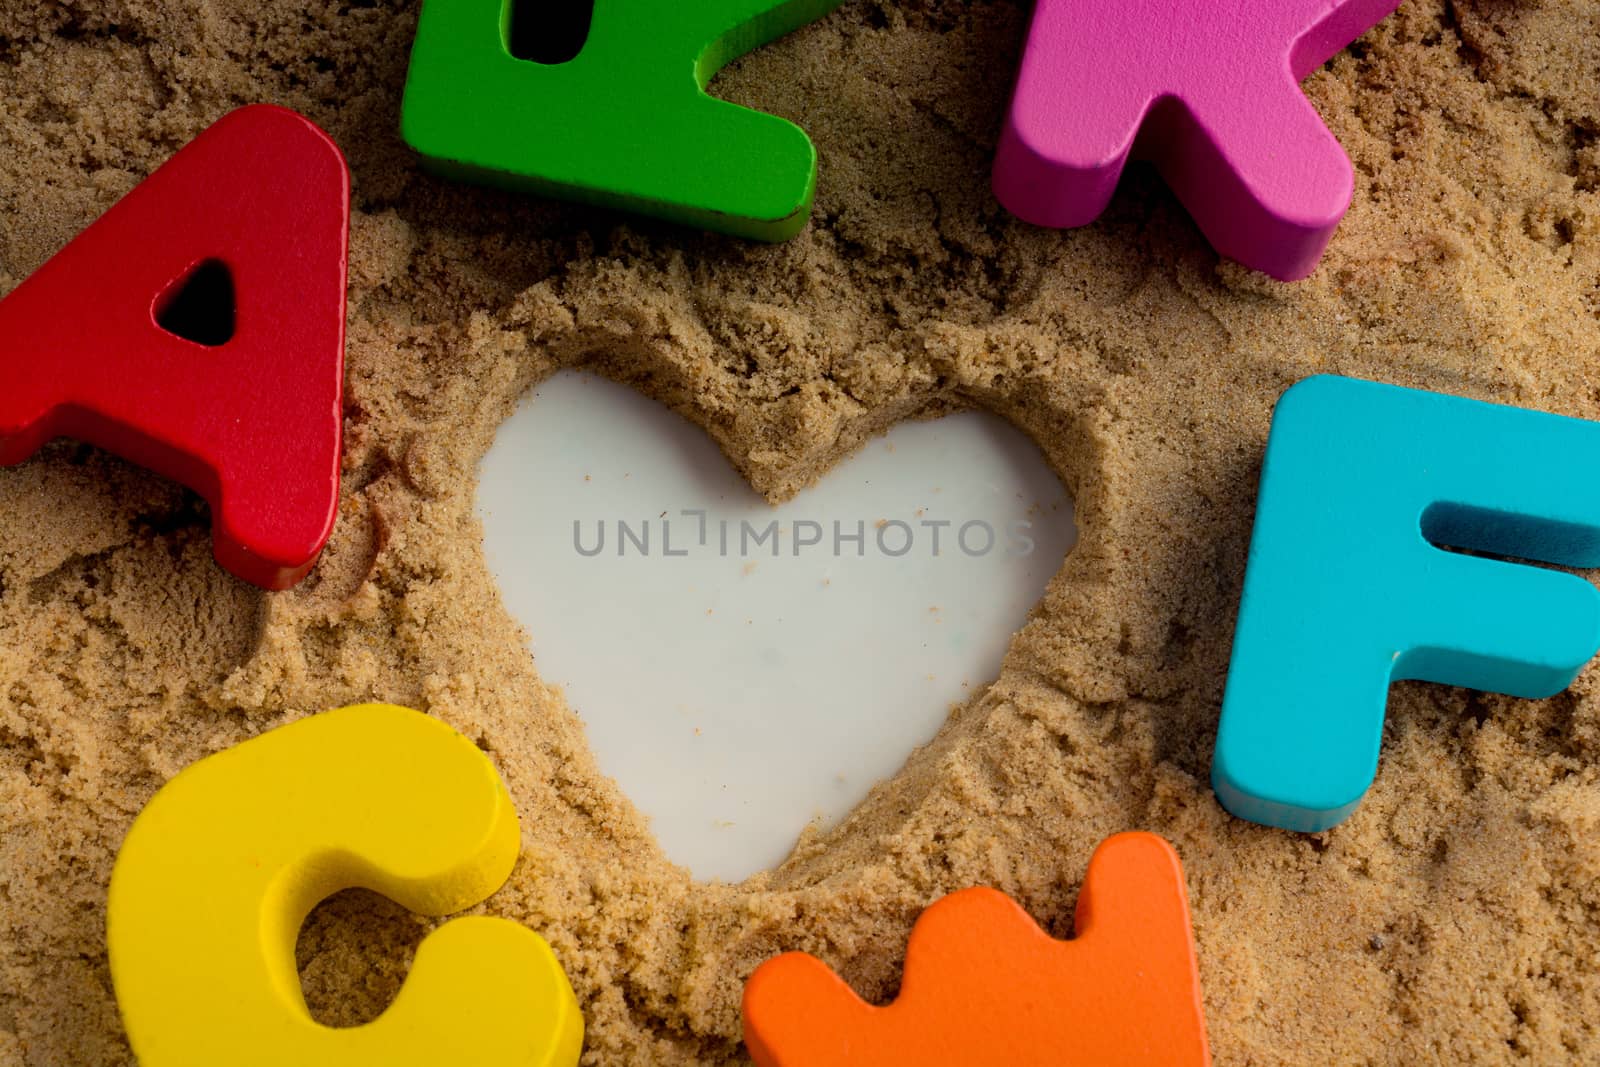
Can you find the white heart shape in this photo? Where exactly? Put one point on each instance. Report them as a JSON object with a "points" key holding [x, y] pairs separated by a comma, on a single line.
{"points": [[736, 697]]}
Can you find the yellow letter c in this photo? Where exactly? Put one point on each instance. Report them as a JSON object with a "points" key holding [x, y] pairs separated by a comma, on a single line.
{"points": [[222, 867]]}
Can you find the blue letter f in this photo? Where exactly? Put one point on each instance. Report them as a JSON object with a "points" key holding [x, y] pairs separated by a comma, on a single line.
{"points": [[1346, 591]]}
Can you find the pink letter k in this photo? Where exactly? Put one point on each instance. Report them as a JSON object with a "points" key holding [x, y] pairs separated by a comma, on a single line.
{"points": [[1207, 90]]}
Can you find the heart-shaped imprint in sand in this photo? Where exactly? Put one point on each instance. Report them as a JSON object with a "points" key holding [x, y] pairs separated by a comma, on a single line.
{"points": [[737, 679]]}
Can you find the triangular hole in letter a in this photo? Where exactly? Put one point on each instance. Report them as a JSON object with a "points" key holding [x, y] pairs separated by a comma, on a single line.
{"points": [[200, 306]]}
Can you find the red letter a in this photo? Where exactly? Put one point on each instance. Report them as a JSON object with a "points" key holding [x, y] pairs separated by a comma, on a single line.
{"points": [[198, 329]]}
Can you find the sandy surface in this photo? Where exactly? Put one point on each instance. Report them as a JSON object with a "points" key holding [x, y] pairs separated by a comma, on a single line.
{"points": [[1455, 918]]}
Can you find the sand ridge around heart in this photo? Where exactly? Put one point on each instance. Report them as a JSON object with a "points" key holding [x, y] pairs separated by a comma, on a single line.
{"points": [[1452, 918]]}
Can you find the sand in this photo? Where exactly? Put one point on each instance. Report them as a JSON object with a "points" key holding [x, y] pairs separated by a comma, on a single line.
{"points": [[1455, 918]]}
